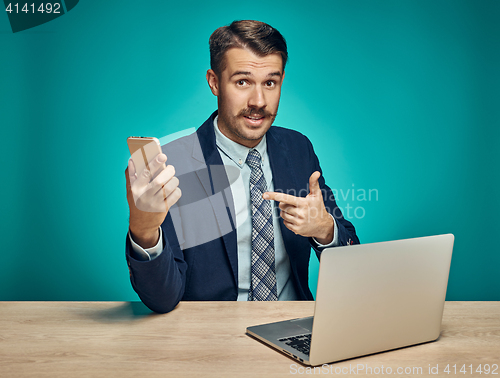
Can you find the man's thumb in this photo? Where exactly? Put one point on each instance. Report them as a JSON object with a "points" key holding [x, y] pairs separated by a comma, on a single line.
{"points": [[314, 184]]}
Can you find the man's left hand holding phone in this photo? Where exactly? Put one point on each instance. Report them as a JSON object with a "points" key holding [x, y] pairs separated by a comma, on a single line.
{"points": [[152, 189]]}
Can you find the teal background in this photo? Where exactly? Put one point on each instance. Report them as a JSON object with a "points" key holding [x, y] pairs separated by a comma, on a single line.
{"points": [[401, 97]]}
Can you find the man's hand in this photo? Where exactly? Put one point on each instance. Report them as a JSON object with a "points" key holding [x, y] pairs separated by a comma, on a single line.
{"points": [[150, 194], [306, 216]]}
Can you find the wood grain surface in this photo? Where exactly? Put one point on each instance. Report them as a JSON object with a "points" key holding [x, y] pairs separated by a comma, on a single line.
{"points": [[204, 339]]}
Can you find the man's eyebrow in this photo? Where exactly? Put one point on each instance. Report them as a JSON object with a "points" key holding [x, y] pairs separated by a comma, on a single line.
{"points": [[248, 73], [244, 73], [277, 73]]}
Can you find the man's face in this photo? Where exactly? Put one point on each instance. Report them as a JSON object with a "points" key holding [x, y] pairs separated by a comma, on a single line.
{"points": [[248, 92]]}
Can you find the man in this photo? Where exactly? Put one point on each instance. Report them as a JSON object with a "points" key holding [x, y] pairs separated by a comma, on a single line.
{"points": [[210, 233]]}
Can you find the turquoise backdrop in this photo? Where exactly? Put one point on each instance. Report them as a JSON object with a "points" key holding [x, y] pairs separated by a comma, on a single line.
{"points": [[401, 100]]}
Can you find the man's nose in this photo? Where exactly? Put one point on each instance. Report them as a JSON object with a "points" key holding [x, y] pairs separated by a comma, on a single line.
{"points": [[257, 98]]}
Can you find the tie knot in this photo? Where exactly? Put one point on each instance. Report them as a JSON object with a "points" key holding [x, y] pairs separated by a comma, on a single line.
{"points": [[253, 159]]}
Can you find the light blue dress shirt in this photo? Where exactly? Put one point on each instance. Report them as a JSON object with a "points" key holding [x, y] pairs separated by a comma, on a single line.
{"points": [[235, 155]]}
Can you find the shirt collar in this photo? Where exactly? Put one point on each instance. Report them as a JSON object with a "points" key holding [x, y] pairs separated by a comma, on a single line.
{"points": [[235, 151]]}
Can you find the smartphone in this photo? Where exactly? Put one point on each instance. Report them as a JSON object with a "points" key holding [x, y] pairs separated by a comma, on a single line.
{"points": [[143, 150]]}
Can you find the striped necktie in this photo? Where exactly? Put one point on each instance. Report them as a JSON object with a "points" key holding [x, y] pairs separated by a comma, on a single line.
{"points": [[263, 282]]}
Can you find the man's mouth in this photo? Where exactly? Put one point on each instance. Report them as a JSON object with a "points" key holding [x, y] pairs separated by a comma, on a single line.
{"points": [[254, 120]]}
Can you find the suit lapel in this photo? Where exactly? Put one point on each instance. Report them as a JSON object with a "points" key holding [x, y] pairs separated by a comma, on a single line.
{"points": [[217, 190], [283, 177]]}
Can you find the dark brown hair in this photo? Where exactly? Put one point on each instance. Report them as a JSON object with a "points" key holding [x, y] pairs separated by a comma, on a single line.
{"points": [[261, 38]]}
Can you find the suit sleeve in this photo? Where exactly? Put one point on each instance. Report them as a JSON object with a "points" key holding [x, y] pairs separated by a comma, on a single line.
{"points": [[160, 283]]}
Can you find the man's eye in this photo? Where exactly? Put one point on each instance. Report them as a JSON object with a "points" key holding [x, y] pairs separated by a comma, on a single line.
{"points": [[241, 82], [270, 83]]}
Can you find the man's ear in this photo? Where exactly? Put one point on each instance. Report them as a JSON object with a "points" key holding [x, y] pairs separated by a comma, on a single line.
{"points": [[213, 82]]}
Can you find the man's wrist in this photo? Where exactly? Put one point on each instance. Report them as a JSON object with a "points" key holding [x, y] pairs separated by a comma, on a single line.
{"points": [[327, 234], [145, 238]]}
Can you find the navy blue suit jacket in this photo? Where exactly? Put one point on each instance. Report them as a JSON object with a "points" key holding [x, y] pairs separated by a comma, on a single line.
{"points": [[192, 267]]}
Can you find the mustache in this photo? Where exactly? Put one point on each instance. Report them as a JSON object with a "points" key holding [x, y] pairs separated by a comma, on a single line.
{"points": [[249, 112]]}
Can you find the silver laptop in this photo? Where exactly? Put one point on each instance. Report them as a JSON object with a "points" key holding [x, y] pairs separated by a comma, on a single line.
{"points": [[370, 298]]}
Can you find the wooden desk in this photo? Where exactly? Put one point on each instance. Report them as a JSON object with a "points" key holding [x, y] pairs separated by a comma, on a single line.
{"points": [[200, 339]]}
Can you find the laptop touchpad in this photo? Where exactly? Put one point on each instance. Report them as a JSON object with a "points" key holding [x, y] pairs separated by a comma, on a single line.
{"points": [[304, 323], [292, 327]]}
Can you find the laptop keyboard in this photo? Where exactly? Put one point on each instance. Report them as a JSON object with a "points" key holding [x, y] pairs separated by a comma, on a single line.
{"points": [[300, 342]]}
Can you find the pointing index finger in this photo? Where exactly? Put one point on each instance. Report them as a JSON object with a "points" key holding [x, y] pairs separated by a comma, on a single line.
{"points": [[281, 197]]}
